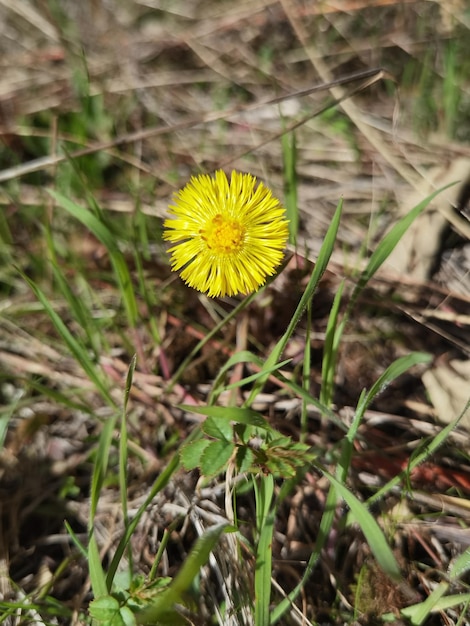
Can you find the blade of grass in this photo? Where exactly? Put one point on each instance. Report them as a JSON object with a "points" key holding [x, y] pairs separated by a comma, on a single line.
{"points": [[76, 541], [330, 350], [97, 575], [265, 514], [208, 336], [306, 374], [389, 243], [79, 351], [159, 484], [428, 449], [289, 158], [142, 253], [77, 305], [103, 234], [417, 613], [5, 417], [393, 371], [460, 566], [163, 608], [378, 257], [326, 523], [100, 466], [372, 532], [318, 271], [123, 451]]}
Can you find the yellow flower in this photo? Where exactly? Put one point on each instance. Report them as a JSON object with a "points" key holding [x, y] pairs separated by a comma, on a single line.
{"points": [[229, 236]]}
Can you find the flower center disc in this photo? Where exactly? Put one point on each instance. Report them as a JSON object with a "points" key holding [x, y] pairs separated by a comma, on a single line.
{"points": [[223, 235]]}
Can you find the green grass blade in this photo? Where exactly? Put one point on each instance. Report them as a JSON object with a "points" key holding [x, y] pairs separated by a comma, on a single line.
{"points": [[159, 484], [78, 305], [378, 257], [123, 451], [265, 514], [417, 613], [372, 532], [163, 608], [318, 271], [326, 524], [390, 241], [79, 351], [452, 601], [428, 449], [240, 415], [393, 371], [5, 417], [289, 157], [76, 541], [101, 232], [100, 467], [97, 575], [330, 350], [306, 375], [396, 369]]}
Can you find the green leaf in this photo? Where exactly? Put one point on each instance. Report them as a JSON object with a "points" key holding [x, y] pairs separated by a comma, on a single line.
{"points": [[216, 456], [236, 414], [104, 609], [191, 453], [108, 611], [245, 459], [127, 616], [218, 428]]}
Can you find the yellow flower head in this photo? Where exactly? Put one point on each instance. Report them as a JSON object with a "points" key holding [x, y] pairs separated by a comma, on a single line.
{"points": [[229, 236]]}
